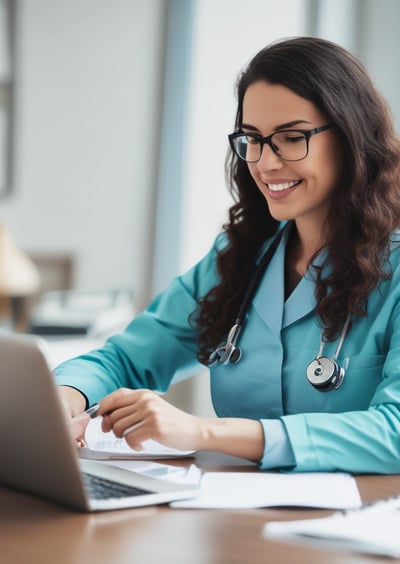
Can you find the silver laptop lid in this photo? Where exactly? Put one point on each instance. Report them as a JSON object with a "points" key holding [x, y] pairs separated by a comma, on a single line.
{"points": [[39, 455], [38, 452]]}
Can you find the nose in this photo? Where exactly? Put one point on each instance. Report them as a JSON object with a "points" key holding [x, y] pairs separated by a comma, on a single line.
{"points": [[269, 160]]}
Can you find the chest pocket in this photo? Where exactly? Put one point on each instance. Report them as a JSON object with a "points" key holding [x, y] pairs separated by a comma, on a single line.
{"points": [[362, 376]]}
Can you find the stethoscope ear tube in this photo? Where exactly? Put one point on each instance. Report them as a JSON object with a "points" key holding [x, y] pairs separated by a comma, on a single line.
{"points": [[229, 352], [322, 373]]}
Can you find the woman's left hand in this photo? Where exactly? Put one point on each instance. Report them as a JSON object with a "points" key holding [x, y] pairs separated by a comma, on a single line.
{"points": [[139, 415]]}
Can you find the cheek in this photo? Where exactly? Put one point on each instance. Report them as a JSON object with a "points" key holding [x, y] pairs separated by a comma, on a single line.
{"points": [[253, 171], [330, 174], [255, 175], [324, 169], [331, 163]]}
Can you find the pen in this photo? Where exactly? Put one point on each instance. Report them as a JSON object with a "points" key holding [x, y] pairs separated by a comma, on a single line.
{"points": [[91, 411]]}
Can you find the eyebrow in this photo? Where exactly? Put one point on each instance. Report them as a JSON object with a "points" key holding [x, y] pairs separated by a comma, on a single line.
{"points": [[278, 127]]}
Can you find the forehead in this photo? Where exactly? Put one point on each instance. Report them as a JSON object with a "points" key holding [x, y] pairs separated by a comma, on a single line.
{"points": [[268, 106]]}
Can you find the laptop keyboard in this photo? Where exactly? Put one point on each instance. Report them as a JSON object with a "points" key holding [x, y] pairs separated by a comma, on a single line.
{"points": [[101, 488]]}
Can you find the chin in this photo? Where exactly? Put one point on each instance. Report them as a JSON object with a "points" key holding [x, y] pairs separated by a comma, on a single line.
{"points": [[280, 214]]}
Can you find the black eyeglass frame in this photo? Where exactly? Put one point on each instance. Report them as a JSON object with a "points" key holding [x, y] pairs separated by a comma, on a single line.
{"points": [[268, 140]]}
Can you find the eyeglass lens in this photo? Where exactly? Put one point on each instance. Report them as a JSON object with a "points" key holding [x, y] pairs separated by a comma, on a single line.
{"points": [[289, 145]]}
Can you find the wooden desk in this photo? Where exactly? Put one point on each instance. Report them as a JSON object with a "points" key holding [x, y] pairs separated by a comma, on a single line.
{"points": [[33, 531]]}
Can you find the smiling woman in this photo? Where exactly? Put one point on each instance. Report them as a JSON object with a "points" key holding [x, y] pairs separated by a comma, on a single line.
{"points": [[308, 264]]}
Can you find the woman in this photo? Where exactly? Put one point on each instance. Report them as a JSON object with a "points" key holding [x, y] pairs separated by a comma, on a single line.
{"points": [[317, 388]]}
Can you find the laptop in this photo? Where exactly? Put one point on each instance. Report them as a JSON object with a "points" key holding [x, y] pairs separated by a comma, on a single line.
{"points": [[38, 455]]}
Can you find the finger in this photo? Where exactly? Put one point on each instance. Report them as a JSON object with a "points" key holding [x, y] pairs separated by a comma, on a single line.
{"points": [[119, 426], [123, 417], [81, 443], [121, 413], [122, 397], [120, 419], [106, 424]]}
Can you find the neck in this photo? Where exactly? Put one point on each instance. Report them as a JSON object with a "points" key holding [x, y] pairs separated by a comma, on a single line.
{"points": [[307, 239], [303, 244]]}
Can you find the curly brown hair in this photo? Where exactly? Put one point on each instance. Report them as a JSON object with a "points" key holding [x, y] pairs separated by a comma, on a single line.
{"points": [[366, 205]]}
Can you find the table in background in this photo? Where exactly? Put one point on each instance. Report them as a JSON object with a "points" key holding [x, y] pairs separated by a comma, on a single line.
{"points": [[33, 531]]}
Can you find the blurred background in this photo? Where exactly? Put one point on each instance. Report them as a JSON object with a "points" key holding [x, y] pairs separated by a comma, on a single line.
{"points": [[114, 117]]}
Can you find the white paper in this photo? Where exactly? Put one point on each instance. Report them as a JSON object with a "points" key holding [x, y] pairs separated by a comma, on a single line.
{"points": [[373, 530], [265, 489], [106, 446], [191, 475]]}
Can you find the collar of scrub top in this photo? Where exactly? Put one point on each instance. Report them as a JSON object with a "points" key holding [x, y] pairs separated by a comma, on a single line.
{"points": [[278, 313]]}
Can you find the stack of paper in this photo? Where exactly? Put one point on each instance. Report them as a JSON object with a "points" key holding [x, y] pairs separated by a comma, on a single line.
{"points": [[106, 446], [374, 529]]}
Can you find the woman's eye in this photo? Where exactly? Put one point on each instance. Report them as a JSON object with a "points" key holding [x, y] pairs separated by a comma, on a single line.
{"points": [[293, 138]]}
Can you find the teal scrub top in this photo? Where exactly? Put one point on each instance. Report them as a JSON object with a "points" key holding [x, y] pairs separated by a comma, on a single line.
{"points": [[355, 428]]}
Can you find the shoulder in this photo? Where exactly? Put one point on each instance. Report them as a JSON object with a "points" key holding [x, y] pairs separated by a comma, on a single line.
{"points": [[220, 242]]}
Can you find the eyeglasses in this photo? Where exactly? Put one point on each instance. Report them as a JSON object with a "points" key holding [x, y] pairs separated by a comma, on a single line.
{"points": [[287, 144]]}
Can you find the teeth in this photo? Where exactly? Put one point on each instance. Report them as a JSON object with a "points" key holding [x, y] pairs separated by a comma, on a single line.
{"points": [[280, 187]]}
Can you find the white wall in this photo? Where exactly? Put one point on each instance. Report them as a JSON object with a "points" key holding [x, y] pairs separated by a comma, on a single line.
{"points": [[380, 47], [338, 21], [226, 35], [88, 98]]}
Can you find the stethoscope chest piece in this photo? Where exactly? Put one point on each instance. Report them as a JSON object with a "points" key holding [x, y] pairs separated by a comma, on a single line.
{"points": [[325, 374]]}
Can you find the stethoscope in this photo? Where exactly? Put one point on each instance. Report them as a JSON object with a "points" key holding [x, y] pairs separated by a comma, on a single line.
{"points": [[323, 373]]}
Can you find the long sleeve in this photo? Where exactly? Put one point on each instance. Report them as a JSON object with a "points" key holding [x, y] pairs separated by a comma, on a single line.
{"points": [[159, 342], [359, 442]]}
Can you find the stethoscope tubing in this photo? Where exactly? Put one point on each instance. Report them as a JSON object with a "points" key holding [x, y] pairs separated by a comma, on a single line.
{"points": [[323, 373]]}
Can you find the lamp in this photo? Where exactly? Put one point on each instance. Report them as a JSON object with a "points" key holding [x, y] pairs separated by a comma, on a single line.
{"points": [[19, 278]]}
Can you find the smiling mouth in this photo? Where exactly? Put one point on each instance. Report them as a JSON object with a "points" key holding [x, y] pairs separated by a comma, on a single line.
{"points": [[283, 186]]}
